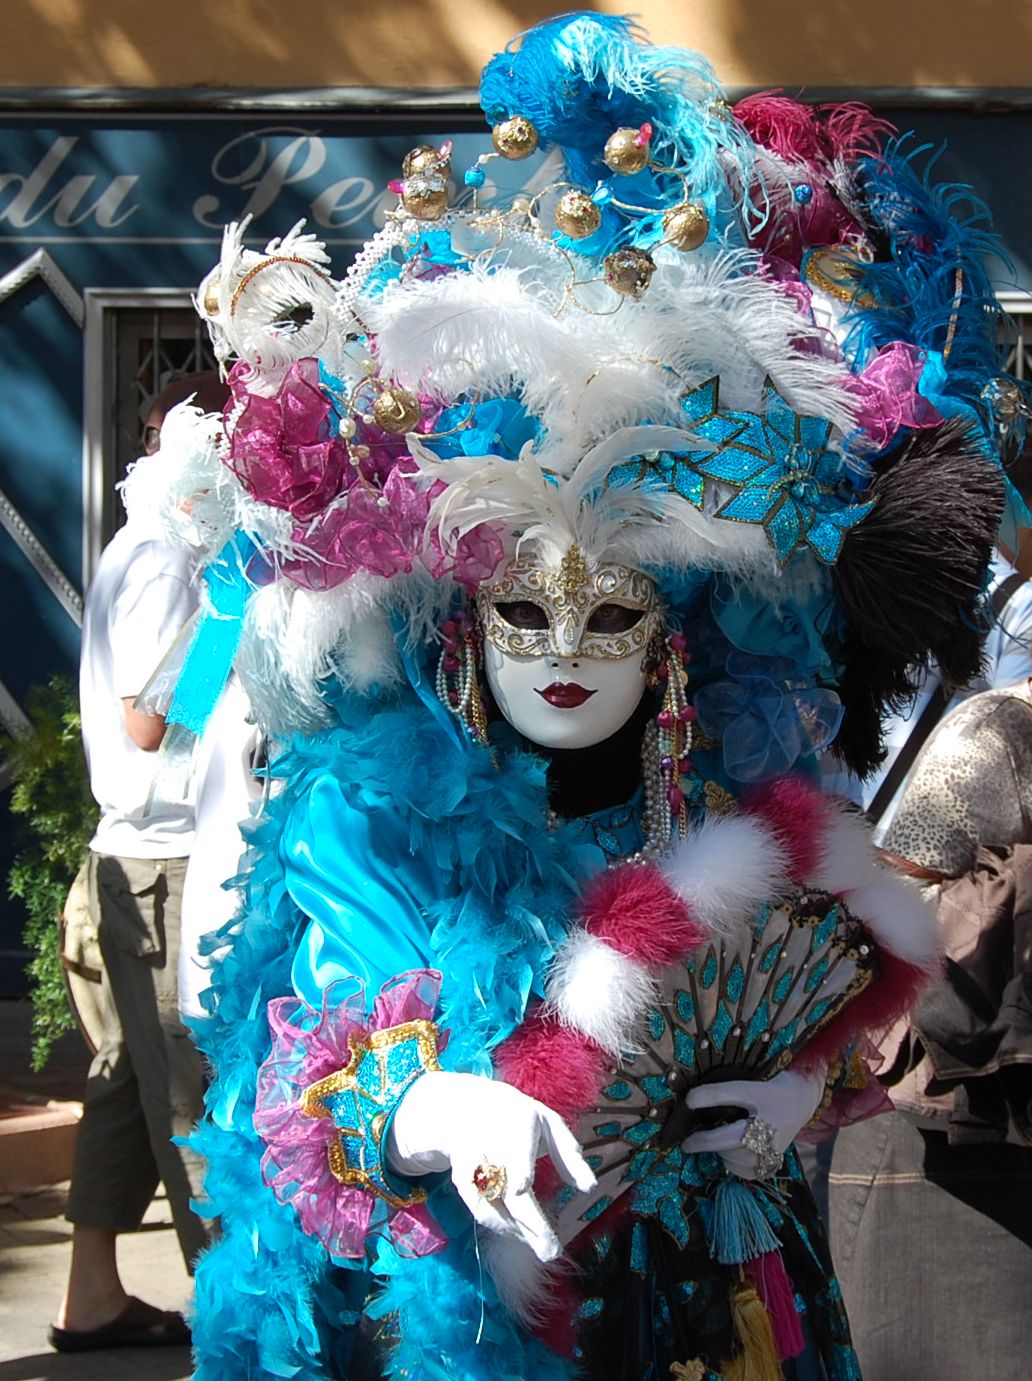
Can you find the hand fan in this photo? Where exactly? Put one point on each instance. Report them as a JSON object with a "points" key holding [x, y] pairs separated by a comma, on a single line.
{"points": [[729, 1011]]}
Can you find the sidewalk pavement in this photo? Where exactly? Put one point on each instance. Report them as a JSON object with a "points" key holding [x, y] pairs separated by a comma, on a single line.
{"points": [[38, 1114]]}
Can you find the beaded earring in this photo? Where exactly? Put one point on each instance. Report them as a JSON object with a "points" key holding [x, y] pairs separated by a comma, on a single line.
{"points": [[458, 685], [669, 742]]}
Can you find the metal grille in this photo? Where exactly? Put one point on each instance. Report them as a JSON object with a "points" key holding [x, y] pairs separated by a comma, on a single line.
{"points": [[145, 347]]}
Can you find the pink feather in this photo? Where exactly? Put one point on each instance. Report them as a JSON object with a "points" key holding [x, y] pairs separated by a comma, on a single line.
{"points": [[634, 910], [798, 814], [555, 1064]]}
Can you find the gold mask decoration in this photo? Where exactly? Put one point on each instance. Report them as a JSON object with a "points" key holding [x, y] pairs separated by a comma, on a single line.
{"points": [[564, 610]]}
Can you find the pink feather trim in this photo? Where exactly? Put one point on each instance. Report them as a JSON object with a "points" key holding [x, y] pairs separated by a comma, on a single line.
{"points": [[783, 126], [558, 1066], [798, 814], [812, 134], [635, 911]]}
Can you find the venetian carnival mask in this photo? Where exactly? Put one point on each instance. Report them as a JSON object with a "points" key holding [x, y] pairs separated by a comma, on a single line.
{"points": [[565, 647]]}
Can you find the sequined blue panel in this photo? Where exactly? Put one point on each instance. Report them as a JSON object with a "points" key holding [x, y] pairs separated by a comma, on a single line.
{"points": [[760, 1022], [597, 1209], [641, 1131], [607, 1129], [817, 972], [783, 986], [595, 1162], [818, 1011], [735, 981], [685, 1005], [671, 1215], [721, 1027], [686, 1288], [590, 1308], [656, 1088], [617, 1092], [657, 1024], [825, 929], [639, 1250], [783, 1038], [684, 1049], [641, 1163], [785, 530], [709, 971], [769, 957]]}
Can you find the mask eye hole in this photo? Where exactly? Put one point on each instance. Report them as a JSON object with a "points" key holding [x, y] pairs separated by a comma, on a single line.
{"points": [[523, 613], [613, 618]]}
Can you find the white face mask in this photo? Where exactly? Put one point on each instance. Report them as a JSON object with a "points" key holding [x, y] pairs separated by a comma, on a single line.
{"points": [[565, 649], [564, 702]]}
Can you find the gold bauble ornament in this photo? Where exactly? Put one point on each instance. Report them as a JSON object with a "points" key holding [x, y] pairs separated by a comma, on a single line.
{"points": [[629, 271], [210, 303], [515, 138], [425, 196], [577, 215], [424, 158], [396, 410], [1004, 397], [626, 152], [686, 225]]}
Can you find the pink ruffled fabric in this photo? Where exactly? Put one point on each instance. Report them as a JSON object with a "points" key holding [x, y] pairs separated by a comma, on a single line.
{"points": [[384, 532], [851, 1105], [890, 399], [365, 515], [307, 1046], [281, 448]]}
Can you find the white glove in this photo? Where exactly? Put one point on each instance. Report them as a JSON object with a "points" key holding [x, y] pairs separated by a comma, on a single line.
{"points": [[463, 1122], [778, 1110]]}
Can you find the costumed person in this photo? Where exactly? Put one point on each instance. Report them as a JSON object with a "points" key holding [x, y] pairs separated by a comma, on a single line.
{"points": [[551, 545], [146, 1081], [931, 1205]]}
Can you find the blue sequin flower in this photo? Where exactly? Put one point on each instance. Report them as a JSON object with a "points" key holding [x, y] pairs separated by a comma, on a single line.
{"points": [[785, 477]]}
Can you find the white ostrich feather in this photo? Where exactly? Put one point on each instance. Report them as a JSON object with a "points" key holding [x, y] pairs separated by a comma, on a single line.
{"points": [[627, 523], [900, 917], [599, 991], [486, 332], [724, 869], [520, 1278]]}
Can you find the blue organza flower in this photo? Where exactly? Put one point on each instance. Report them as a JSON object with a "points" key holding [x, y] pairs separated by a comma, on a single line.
{"points": [[794, 630], [767, 717]]}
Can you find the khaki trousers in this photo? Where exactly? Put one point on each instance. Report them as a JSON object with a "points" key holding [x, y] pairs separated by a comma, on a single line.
{"points": [[146, 1082]]}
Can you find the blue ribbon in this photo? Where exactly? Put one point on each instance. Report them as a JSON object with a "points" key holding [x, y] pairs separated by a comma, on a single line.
{"points": [[213, 649]]}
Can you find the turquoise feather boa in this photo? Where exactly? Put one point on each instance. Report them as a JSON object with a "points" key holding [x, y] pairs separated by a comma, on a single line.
{"points": [[270, 1302]]}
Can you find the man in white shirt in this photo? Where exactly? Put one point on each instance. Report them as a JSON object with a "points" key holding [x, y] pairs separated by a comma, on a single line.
{"points": [[146, 1082]]}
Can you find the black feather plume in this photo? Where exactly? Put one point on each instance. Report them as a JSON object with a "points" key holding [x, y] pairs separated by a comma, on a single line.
{"points": [[911, 578]]}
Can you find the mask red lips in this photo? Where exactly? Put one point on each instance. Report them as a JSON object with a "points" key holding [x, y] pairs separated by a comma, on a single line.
{"points": [[565, 695]]}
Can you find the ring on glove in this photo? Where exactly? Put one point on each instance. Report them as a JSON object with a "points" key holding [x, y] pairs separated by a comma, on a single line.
{"points": [[758, 1137], [489, 1180]]}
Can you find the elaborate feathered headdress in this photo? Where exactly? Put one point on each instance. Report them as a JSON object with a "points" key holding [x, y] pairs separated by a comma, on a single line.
{"points": [[749, 351]]}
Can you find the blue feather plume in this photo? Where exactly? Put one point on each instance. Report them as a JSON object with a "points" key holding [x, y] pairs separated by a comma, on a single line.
{"points": [[579, 77]]}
